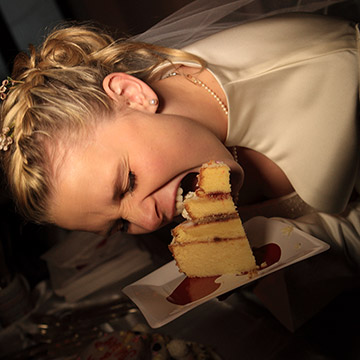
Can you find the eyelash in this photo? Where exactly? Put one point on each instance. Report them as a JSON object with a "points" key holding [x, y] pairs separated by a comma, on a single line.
{"points": [[132, 182], [121, 224]]}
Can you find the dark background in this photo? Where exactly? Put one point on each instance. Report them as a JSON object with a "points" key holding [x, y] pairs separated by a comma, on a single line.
{"points": [[26, 21]]}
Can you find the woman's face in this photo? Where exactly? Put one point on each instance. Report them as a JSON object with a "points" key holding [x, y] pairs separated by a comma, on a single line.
{"points": [[130, 168]]}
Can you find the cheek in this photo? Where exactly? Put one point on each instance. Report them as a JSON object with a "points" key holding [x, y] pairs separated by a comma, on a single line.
{"points": [[156, 162], [153, 162], [171, 143], [154, 152]]}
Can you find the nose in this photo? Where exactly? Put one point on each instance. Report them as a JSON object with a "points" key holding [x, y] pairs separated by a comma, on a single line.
{"points": [[145, 217]]}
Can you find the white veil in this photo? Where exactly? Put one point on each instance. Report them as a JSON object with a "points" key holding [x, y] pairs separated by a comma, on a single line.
{"points": [[202, 18]]}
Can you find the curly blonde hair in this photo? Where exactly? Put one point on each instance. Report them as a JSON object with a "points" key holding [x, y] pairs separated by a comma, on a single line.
{"points": [[60, 91]]}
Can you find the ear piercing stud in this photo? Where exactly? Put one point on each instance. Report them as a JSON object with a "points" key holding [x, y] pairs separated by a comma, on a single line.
{"points": [[153, 101]]}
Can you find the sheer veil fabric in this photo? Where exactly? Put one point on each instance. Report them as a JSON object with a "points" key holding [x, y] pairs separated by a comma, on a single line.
{"points": [[202, 18]]}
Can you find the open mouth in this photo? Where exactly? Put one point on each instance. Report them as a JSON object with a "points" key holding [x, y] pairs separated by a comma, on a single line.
{"points": [[187, 184]]}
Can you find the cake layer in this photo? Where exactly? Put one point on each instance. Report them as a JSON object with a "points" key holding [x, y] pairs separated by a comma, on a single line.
{"points": [[214, 178], [210, 228], [201, 259], [203, 206]]}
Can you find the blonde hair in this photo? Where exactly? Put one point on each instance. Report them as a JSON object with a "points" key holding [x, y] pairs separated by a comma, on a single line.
{"points": [[60, 91]]}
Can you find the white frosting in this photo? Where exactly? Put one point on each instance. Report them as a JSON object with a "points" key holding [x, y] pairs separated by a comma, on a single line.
{"points": [[185, 214]]}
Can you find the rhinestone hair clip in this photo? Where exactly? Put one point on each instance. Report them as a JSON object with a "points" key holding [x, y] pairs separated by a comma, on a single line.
{"points": [[6, 86], [6, 135]]}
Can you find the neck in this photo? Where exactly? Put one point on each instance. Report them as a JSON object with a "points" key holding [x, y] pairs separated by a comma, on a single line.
{"points": [[179, 96]]}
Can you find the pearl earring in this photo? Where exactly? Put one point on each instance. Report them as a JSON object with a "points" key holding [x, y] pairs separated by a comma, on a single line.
{"points": [[154, 102]]}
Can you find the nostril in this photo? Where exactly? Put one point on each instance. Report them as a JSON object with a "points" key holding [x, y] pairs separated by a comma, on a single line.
{"points": [[188, 183]]}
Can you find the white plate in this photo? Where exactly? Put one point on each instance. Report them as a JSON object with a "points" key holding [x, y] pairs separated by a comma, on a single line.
{"points": [[150, 293]]}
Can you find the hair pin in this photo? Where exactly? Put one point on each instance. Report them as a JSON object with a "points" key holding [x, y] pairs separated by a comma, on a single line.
{"points": [[7, 85]]}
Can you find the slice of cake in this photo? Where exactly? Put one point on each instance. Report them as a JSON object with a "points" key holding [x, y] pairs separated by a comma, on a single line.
{"points": [[213, 194], [212, 241]]}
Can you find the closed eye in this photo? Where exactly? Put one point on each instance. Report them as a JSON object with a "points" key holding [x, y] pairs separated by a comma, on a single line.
{"points": [[131, 182], [122, 224], [119, 190]]}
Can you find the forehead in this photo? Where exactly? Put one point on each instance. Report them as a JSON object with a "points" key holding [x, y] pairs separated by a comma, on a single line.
{"points": [[82, 180], [62, 146]]}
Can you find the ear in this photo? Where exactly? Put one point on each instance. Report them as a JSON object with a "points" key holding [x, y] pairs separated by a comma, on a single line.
{"points": [[135, 93]]}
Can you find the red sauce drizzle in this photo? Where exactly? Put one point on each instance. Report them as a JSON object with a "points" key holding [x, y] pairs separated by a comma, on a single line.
{"points": [[268, 254], [192, 289]]}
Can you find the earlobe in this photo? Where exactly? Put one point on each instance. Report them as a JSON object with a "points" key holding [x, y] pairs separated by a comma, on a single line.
{"points": [[124, 88]]}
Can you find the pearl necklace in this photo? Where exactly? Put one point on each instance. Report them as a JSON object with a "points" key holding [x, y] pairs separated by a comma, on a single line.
{"points": [[234, 153], [198, 82]]}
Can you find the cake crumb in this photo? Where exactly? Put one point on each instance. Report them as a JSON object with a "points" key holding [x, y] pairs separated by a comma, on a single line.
{"points": [[287, 230]]}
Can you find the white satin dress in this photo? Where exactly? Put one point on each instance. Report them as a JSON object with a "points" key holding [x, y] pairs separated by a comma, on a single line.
{"points": [[292, 87]]}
